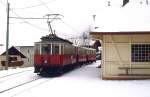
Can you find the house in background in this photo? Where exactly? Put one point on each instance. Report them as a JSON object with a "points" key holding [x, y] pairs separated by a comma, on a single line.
{"points": [[125, 55], [28, 51], [15, 58]]}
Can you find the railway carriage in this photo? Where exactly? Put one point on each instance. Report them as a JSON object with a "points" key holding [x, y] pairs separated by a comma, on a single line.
{"points": [[82, 55], [54, 55], [91, 55]]}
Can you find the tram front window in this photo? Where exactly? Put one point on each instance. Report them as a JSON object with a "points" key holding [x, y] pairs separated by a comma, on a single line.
{"points": [[55, 49], [46, 49]]}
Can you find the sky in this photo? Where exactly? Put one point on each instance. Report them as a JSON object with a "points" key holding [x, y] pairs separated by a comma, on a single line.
{"points": [[78, 18]]}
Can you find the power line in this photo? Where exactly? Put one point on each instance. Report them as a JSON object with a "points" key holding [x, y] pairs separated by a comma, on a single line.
{"points": [[22, 18], [41, 4], [60, 19], [74, 29], [24, 21], [35, 26], [44, 4], [32, 18]]}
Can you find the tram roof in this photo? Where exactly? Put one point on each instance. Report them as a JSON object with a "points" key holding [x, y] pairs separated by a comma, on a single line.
{"points": [[54, 38]]}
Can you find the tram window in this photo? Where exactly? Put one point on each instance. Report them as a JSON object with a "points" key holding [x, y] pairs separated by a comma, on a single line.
{"points": [[46, 49], [55, 49], [62, 50]]}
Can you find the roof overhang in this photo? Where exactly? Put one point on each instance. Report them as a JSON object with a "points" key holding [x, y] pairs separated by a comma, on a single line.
{"points": [[120, 33], [99, 35]]}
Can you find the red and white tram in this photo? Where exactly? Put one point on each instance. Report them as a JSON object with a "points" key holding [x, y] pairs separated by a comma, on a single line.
{"points": [[55, 56]]}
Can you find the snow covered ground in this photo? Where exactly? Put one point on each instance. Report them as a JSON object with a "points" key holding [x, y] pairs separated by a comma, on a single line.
{"points": [[82, 82]]}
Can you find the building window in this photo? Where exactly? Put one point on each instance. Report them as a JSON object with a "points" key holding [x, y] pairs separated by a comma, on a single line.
{"points": [[140, 52], [12, 59]]}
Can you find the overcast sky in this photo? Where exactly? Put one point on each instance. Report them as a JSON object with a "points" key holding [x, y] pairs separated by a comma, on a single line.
{"points": [[77, 18]]}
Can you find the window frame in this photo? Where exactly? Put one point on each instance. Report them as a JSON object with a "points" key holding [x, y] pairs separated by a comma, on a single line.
{"points": [[140, 52]]}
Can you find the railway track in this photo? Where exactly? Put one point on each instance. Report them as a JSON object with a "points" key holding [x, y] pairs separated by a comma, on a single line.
{"points": [[14, 73], [9, 77], [24, 83], [31, 87]]}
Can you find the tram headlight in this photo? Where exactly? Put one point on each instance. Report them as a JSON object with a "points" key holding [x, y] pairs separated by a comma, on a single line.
{"points": [[45, 61]]}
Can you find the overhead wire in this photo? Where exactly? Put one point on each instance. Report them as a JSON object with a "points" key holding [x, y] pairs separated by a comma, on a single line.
{"points": [[24, 21], [33, 5], [31, 18], [60, 19], [44, 4], [35, 26], [51, 12], [74, 29]]}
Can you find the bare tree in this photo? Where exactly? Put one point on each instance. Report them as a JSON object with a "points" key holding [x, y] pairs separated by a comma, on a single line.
{"points": [[85, 38]]}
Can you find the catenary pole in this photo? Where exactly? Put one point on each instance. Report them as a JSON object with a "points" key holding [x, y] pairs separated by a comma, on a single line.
{"points": [[7, 38]]}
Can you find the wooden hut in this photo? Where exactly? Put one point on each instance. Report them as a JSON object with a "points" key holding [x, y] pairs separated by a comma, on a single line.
{"points": [[15, 57]]}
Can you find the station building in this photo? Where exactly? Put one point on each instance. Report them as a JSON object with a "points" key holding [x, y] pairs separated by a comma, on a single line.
{"points": [[125, 55]]}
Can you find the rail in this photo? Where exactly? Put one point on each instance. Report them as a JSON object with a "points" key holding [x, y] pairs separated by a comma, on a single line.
{"points": [[2, 91], [14, 73]]}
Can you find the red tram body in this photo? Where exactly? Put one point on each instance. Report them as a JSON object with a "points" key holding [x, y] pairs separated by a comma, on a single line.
{"points": [[54, 55]]}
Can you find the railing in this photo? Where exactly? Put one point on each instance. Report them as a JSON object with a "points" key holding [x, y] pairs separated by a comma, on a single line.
{"points": [[127, 69]]}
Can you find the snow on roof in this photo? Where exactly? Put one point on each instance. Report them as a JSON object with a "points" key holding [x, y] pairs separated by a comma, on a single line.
{"points": [[132, 17]]}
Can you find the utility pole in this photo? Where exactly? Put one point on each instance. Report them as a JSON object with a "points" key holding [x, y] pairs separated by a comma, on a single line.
{"points": [[7, 38]]}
